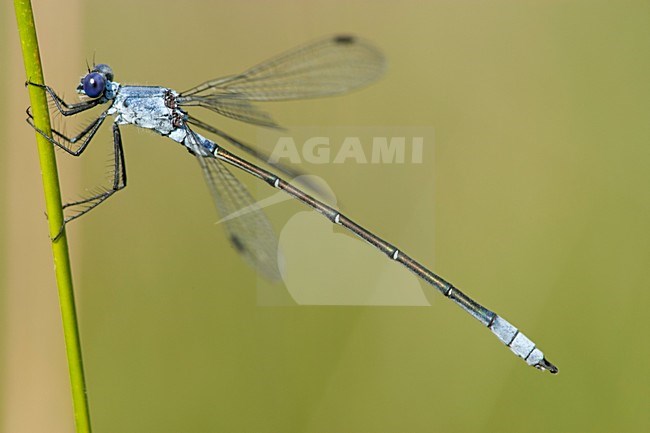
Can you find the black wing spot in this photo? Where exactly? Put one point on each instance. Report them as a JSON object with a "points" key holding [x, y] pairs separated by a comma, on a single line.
{"points": [[237, 244], [344, 39]]}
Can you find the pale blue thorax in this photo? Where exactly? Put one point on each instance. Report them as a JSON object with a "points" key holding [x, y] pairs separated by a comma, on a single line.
{"points": [[149, 107]]}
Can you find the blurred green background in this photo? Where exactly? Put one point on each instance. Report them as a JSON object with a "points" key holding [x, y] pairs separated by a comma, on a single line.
{"points": [[534, 200]]}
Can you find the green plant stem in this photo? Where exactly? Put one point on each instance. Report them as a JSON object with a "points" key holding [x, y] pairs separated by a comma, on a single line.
{"points": [[34, 72]]}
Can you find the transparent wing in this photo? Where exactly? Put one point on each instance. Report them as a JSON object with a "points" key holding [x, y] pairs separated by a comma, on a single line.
{"points": [[326, 67], [250, 232], [231, 106]]}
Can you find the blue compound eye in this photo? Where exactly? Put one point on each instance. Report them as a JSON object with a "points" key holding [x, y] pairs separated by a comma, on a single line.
{"points": [[94, 84]]}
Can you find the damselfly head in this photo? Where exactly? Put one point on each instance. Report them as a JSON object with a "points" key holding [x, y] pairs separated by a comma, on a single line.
{"points": [[93, 84]]}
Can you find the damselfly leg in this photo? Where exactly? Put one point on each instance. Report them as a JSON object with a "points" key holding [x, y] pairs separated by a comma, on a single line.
{"points": [[77, 144]]}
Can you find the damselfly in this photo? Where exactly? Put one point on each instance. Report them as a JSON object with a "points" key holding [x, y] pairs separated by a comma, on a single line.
{"points": [[330, 66]]}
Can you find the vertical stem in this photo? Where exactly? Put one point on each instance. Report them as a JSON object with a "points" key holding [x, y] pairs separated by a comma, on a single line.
{"points": [[34, 72]]}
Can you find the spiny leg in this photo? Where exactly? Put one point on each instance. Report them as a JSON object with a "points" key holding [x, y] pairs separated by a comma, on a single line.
{"points": [[62, 106], [87, 134], [119, 180]]}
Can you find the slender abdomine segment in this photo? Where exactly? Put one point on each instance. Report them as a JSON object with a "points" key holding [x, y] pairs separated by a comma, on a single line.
{"points": [[520, 345], [508, 334], [477, 311]]}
